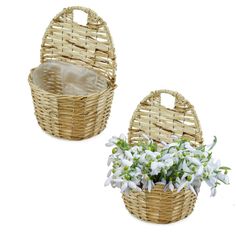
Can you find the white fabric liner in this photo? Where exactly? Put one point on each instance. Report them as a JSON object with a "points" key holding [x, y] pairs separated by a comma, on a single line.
{"points": [[73, 79]]}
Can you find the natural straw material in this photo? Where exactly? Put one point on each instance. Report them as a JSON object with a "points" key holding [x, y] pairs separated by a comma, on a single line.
{"points": [[153, 119], [90, 45], [158, 206], [161, 123]]}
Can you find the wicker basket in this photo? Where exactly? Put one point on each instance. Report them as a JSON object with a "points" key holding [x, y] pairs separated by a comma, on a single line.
{"points": [[90, 46], [160, 124]]}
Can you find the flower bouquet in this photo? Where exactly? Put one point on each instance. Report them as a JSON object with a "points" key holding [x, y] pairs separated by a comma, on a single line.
{"points": [[160, 183]]}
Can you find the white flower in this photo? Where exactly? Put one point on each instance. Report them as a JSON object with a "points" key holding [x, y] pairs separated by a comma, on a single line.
{"points": [[167, 156], [211, 166], [120, 155], [118, 170], [213, 192], [194, 160], [136, 173], [156, 167], [199, 171], [132, 185], [118, 180], [181, 186], [196, 184], [126, 162], [109, 173], [150, 185], [109, 160], [128, 154], [192, 189], [211, 181], [163, 143], [124, 187], [169, 186], [198, 152], [133, 167], [224, 178], [185, 167], [177, 182], [142, 158], [108, 181], [122, 136], [129, 185], [112, 141], [152, 154], [109, 144], [147, 183], [189, 147], [169, 163], [136, 149]]}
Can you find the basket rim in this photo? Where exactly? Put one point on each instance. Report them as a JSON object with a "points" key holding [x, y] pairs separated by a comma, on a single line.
{"points": [[159, 187], [110, 85]]}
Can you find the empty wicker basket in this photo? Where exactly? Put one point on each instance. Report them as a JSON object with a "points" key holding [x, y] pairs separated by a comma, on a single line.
{"points": [[161, 123], [89, 46]]}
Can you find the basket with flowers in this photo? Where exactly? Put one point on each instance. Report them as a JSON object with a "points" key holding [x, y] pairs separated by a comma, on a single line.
{"points": [[160, 180]]}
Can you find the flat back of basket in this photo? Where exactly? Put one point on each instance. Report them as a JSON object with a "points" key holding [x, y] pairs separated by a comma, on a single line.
{"points": [[89, 45], [160, 123]]}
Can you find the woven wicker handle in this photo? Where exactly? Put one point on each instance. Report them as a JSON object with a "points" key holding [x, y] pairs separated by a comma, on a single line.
{"points": [[178, 97], [90, 13], [88, 45], [161, 123]]}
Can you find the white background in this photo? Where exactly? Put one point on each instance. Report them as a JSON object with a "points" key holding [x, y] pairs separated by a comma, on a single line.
{"points": [[50, 186]]}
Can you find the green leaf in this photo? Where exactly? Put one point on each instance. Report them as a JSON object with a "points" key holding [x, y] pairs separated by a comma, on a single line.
{"points": [[214, 143], [224, 168]]}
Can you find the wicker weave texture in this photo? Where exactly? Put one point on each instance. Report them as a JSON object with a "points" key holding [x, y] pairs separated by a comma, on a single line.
{"points": [[160, 123], [158, 206], [91, 46]]}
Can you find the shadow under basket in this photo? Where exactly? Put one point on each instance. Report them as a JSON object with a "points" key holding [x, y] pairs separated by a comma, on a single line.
{"points": [[160, 123], [90, 46]]}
